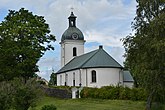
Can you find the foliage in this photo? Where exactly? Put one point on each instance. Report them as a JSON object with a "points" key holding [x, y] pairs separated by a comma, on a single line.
{"points": [[114, 92], [53, 79], [6, 95], [145, 50], [125, 94], [24, 38], [16, 94], [41, 82], [49, 107], [26, 94]]}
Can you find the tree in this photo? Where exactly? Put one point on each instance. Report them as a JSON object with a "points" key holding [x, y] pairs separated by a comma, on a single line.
{"points": [[145, 50], [53, 79], [24, 38]]}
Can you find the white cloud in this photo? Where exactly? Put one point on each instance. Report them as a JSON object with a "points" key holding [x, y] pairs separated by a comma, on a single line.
{"points": [[104, 22], [103, 39], [116, 53]]}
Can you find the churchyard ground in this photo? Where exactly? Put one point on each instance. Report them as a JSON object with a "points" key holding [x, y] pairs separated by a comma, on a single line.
{"points": [[90, 104]]}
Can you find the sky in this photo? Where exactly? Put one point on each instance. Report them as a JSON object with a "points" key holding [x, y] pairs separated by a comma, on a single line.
{"points": [[103, 22]]}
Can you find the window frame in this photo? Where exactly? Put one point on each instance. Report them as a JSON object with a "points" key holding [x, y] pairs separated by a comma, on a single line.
{"points": [[74, 82], [74, 51], [60, 80], [93, 76]]}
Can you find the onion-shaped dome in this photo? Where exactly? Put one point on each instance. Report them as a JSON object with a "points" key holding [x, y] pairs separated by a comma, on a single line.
{"points": [[72, 33]]}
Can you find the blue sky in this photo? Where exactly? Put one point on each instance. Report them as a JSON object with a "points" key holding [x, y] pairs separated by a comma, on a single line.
{"points": [[103, 22]]}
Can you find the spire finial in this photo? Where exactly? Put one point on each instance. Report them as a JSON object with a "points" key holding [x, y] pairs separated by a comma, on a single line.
{"points": [[71, 9], [72, 19]]}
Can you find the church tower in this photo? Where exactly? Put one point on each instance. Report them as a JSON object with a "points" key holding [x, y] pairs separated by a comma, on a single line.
{"points": [[72, 41]]}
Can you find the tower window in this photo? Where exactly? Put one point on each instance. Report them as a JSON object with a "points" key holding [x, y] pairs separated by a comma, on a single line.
{"points": [[71, 23], [74, 51], [93, 76]]}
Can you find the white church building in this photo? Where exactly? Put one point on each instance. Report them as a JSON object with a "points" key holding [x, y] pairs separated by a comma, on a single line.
{"points": [[94, 69]]}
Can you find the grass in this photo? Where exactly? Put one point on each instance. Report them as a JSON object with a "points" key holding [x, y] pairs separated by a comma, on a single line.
{"points": [[91, 104]]}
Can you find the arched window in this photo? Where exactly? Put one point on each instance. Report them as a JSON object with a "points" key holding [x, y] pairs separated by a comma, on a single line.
{"points": [[73, 79], [60, 80], [93, 74], [66, 79], [74, 51]]}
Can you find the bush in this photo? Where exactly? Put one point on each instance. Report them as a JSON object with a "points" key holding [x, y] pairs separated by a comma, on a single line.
{"points": [[138, 94], [6, 95], [49, 107], [114, 92], [26, 94], [18, 95], [41, 82], [125, 93]]}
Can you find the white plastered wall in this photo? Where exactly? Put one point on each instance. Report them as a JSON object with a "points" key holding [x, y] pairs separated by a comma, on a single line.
{"points": [[104, 77], [67, 50], [70, 78]]}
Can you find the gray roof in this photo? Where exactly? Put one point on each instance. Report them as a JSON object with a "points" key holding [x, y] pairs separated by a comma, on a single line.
{"points": [[67, 35], [128, 77], [96, 59]]}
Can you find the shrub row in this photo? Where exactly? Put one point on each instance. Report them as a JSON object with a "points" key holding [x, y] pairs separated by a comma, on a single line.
{"points": [[115, 92], [49, 107]]}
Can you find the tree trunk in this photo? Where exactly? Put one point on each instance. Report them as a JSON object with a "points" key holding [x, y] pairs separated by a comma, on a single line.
{"points": [[149, 100]]}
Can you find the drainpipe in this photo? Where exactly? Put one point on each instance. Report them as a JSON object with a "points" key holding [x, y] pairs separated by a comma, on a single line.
{"points": [[121, 78], [86, 79]]}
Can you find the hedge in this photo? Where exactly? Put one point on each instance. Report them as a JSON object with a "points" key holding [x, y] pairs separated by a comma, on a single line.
{"points": [[114, 92]]}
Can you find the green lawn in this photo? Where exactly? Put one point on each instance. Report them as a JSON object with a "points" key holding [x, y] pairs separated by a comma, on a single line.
{"points": [[90, 104]]}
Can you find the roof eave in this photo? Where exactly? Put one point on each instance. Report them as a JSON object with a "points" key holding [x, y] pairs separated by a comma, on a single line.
{"points": [[87, 67], [67, 70], [102, 67]]}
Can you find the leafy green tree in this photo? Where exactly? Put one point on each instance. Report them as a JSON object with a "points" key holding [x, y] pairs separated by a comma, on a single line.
{"points": [[53, 79], [145, 50], [24, 38]]}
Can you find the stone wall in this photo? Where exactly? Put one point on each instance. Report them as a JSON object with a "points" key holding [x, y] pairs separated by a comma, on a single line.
{"points": [[56, 92]]}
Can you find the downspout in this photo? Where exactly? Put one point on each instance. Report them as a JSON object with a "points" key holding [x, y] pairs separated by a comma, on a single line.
{"points": [[120, 79], [64, 54], [86, 79], [65, 79], [122, 76]]}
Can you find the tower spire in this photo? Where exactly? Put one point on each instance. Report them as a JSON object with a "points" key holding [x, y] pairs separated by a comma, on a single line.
{"points": [[72, 19]]}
